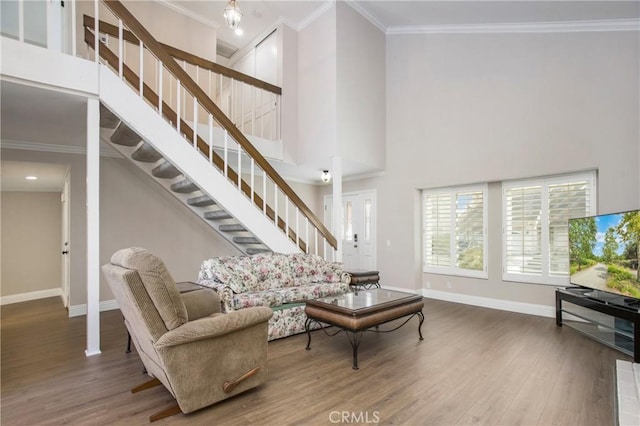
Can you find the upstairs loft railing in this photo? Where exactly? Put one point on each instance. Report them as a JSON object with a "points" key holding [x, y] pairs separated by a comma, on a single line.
{"points": [[252, 104], [299, 223]]}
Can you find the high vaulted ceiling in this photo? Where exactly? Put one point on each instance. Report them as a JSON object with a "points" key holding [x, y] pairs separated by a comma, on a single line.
{"points": [[261, 16], [21, 106]]}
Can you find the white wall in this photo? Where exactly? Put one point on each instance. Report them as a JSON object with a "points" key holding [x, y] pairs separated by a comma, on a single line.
{"points": [[361, 93], [288, 76], [31, 242], [485, 108], [317, 91], [341, 91], [164, 24]]}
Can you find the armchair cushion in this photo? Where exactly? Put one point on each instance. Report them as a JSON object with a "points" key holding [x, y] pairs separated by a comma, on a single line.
{"points": [[157, 281]]}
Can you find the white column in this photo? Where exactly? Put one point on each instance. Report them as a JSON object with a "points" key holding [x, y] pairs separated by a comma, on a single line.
{"points": [[336, 173], [93, 227]]}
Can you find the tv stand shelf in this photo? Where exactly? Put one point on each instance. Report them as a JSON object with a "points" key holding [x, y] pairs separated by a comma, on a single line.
{"points": [[614, 324]]}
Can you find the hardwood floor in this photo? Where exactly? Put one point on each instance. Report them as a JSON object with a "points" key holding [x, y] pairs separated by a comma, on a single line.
{"points": [[476, 366]]}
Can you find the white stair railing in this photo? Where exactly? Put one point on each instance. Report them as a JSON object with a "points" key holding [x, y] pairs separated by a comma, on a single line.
{"points": [[191, 106]]}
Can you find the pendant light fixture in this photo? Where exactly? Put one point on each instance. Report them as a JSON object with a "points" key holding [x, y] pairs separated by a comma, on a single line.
{"points": [[232, 14]]}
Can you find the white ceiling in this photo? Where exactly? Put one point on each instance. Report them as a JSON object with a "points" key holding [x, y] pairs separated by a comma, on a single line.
{"points": [[392, 14], [44, 116], [34, 115], [259, 17], [50, 176]]}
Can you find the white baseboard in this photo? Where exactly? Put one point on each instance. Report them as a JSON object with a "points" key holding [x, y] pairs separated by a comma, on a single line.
{"points": [[33, 295], [406, 290], [105, 305], [486, 302]]}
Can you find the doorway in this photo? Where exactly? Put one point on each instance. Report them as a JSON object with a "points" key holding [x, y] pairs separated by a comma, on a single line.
{"points": [[357, 230], [66, 257]]}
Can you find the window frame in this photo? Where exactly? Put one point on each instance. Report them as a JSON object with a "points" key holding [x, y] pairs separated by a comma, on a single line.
{"points": [[544, 278], [453, 269]]}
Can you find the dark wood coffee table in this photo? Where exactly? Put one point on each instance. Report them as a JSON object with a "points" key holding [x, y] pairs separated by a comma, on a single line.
{"points": [[355, 313]]}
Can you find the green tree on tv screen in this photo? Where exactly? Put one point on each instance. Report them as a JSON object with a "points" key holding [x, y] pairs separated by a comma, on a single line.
{"points": [[629, 231], [582, 237]]}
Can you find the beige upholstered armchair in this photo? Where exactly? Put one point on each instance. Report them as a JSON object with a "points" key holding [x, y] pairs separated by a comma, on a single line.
{"points": [[200, 355]]}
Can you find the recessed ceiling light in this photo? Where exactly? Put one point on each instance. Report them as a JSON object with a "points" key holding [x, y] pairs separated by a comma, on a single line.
{"points": [[239, 31], [31, 178]]}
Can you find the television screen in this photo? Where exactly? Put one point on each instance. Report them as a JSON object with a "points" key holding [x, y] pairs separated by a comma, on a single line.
{"points": [[603, 253]]}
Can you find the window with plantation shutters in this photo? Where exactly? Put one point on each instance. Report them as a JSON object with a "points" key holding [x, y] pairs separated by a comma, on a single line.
{"points": [[535, 225], [454, 231]]}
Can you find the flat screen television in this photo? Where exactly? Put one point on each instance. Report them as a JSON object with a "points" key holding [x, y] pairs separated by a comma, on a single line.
{"points": [[603, 256]]}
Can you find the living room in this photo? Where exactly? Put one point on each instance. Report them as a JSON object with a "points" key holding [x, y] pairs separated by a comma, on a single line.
{"points": [[462, 108]]}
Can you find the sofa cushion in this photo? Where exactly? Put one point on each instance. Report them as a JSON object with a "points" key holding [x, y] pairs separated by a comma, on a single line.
{"points": [[272, 271], [306, 268], [276, 297], [311, 268], [333, 272], [268, 298]]}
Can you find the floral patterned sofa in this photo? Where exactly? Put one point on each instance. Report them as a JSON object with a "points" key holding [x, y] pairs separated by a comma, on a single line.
{"points": [[280, 281]]}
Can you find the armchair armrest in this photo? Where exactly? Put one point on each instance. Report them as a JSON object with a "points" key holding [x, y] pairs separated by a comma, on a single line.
{"points": [[201, 303], [213, 326]]}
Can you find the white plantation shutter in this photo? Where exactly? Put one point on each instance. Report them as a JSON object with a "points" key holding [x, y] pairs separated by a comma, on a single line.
{"points": [[566, 200], [523, 238], [455, 231], [535, 225], [470, 226], [437, 229]]}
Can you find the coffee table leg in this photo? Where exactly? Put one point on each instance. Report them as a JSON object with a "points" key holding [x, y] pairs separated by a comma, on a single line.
{"points": [[307, 328], [354, 339], [421, 316]]}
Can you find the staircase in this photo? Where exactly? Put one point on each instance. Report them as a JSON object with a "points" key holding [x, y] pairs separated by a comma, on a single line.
{"points": [[164, 139], [128, 143]]}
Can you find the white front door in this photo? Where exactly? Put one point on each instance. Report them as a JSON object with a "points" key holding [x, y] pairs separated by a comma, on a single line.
{"points": [[358, 229]]}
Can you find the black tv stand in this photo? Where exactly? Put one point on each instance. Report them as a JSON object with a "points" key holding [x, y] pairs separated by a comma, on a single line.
{"points": [[608, 318], [632, 302]]}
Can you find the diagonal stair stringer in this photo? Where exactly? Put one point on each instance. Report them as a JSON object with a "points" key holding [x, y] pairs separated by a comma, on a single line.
{"points": [[140, 117]]}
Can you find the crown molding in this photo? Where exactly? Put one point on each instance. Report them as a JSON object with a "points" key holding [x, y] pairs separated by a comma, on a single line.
{"points": [[321, 10], [362, 11], [170, 5], [105, 150], [532, 27]]}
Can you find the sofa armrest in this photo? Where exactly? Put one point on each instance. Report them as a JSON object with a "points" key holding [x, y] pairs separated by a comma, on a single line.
{"points": [[201, 303], [213, 326]]}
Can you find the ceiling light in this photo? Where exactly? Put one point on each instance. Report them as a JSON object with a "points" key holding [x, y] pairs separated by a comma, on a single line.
{"points": [[31, 178], [232, 14], [239, 31], [326, 176]]}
